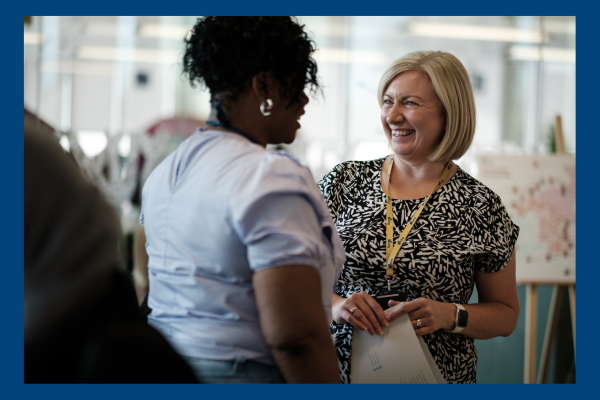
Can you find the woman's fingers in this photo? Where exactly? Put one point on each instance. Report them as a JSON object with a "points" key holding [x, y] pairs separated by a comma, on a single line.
{"points": [[423, 326], [396, 311], [351, 316], [371, 312], [348, 311], [416, 309], [362, 311], [354, 320], [393, 303], [364, 314], [425, 315], [403, 308]]}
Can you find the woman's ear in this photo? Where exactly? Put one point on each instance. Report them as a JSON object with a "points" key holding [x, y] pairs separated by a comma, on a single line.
{"points": [[262, 85]]}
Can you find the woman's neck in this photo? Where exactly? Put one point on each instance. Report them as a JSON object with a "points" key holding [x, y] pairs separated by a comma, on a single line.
{"points": [[240, 118], [419, 171], [412, 180]]}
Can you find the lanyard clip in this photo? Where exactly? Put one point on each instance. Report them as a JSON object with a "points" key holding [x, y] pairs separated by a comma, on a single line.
{"points": [[389, 281]]}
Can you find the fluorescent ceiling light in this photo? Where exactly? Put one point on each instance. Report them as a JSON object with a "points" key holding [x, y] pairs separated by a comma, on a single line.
{"points": [[139, 55], [343, 56], [474, 32], [163, 31], [532, 53], [33, 38]]}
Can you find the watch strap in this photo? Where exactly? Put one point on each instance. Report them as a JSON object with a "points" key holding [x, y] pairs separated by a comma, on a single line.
{"points": [[457, 328]]}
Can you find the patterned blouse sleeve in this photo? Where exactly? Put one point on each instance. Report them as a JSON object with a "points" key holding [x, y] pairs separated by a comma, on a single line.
{"points": [[496, 236], [330, 186]]}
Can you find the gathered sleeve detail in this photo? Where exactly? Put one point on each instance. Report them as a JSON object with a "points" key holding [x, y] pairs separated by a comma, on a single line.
{"points": [[494, 234], [281, 218]]}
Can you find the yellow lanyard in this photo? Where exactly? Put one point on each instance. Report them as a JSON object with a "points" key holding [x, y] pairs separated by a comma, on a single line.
{"points": [[390, 252]]}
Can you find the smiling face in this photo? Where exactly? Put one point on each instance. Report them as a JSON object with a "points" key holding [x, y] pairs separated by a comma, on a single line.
{"points": [[412, 116]]}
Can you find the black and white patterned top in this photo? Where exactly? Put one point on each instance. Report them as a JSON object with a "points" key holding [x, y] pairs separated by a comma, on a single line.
{"points": [[463, 228]]}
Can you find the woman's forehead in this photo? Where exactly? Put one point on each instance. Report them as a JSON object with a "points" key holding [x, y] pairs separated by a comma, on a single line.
{"points": [[410, 83]]}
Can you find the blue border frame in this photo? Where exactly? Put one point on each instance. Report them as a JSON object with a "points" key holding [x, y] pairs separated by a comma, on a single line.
{"points": [[12, 201]]}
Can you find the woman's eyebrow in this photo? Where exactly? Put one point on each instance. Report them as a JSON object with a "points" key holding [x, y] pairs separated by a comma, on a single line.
{"points": [[403, 97], [411, 95]]}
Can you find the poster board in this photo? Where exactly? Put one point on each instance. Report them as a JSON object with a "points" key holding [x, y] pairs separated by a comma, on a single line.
{"points": [[539, 195]]}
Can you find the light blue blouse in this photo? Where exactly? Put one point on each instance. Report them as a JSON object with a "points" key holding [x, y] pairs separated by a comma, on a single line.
{"points": [[215, 211]]}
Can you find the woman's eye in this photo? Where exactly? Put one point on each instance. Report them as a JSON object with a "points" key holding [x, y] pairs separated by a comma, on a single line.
{"points": [[387, 102], [411, 103]]}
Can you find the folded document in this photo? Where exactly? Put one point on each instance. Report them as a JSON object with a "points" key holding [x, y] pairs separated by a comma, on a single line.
{"points": [[397, 356]]}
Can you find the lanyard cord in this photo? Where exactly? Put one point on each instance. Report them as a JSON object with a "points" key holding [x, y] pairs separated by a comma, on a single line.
{"points": [[224, 123], [391, 252]]}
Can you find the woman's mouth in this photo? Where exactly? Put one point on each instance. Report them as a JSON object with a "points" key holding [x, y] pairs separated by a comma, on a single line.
{"points": [[404, 132]]}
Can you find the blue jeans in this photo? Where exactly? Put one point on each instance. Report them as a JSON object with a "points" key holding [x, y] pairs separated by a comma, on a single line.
{"points": [[234, 371]]}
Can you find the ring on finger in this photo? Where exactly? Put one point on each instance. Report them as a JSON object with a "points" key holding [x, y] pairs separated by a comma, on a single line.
{"points": [[418, 323], [352, 310]]}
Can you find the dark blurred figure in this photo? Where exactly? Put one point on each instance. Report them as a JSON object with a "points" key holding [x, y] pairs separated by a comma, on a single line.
{"points": [[81, 315]]}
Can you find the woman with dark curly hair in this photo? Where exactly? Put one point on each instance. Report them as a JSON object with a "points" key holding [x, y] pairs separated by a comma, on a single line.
{"points": [[243, 253]]}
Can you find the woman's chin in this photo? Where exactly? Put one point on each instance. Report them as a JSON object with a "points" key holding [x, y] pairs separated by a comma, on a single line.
{"points": [[290, 139], [402, 151], [287, 139]]}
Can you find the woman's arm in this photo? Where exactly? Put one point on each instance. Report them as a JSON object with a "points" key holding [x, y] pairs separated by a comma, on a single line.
{"points": [[294, 325], [498, 309], [495, 315]]}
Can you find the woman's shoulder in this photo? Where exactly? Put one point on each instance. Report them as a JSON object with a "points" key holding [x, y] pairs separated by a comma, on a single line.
{"points": [[275, 173], [278, 166], [474, 191], [351, 171], [234, 165], [280, 159]]}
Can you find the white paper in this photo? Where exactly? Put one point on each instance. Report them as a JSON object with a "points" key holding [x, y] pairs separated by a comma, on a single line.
{"points": [[394, 357], [432, 364]]}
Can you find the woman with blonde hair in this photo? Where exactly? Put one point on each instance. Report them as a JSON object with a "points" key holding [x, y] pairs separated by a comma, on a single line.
{"points": [[417, 228]]}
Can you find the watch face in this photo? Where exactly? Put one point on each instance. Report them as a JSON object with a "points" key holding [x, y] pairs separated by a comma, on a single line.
{"points": [[463, 315]]}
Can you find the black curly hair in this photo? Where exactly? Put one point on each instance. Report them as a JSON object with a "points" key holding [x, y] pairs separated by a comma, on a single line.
{"points": [[224, 53]]}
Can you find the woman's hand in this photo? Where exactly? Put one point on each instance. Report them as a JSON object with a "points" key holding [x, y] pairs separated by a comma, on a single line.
{"points": [[360, 310], [433, 314]]}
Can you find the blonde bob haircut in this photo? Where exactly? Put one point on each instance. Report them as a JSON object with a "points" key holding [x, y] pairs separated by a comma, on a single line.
{"points": [[452, 86]]}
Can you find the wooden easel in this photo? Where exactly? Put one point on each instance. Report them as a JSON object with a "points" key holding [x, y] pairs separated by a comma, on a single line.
{"points": [[558, 136], [531, 306], [551, 327]]}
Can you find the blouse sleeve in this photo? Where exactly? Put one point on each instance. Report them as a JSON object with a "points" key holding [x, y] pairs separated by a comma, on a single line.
{"points": [[495, 235], [276, 216]]}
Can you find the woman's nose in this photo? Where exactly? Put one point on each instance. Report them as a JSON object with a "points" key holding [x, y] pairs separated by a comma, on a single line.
{"points": [[304, 98], [395, 115]]}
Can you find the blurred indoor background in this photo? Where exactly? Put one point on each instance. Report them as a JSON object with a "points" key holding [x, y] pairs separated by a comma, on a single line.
{"points": [[112, 90]]}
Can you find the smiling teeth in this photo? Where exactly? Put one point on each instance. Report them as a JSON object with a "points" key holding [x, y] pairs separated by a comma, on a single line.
{"points": [[403, 133]]}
